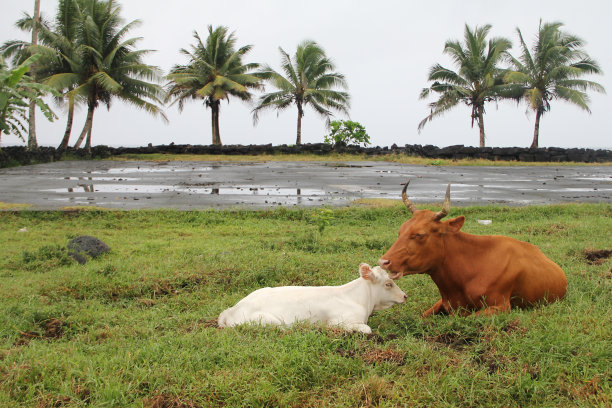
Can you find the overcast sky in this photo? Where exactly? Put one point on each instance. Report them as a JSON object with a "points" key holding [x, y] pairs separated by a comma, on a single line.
{"points": [[384, 48]]}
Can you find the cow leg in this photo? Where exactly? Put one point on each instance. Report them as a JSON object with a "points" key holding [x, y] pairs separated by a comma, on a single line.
{"points": [[265, 319], [360, 327], [435, 309], [491, 310]]}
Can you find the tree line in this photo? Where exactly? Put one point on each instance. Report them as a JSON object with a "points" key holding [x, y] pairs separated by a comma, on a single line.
{"points": [[84, 56]]}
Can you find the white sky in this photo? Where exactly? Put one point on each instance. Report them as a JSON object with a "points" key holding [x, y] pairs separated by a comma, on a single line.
{"points": [[384, 48]]}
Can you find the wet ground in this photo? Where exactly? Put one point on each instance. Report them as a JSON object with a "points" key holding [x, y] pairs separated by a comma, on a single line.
{"points": [[201, 185]]}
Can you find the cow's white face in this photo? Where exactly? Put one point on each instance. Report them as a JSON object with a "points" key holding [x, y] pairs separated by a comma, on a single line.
{"points": [[385, 293]]}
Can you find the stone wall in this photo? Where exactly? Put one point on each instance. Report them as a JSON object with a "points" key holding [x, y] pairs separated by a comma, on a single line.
{"points": [[18, 155]]}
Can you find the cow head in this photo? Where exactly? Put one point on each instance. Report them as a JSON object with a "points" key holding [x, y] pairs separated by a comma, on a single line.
{"points": [[383, 291], [420, 247]]}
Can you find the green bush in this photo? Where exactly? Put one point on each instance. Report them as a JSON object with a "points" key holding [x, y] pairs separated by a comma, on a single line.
{"points": [[347, 132]]}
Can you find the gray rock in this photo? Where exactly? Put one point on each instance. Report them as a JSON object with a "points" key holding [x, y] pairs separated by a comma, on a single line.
{"points": [[85, 246]]}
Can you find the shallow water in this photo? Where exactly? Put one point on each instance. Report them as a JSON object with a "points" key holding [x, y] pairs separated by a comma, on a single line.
{"points": [[197, 185]]}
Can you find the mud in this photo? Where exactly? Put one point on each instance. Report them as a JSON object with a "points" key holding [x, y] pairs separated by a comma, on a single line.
{"points": [[203, 185], [597, 257]]}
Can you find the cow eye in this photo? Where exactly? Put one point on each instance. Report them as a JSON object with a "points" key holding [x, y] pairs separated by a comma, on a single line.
{"points": [[418, 236], [389, 284]]}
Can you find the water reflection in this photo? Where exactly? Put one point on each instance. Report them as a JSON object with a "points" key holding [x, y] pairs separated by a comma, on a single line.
{"points": [[160, 189]]}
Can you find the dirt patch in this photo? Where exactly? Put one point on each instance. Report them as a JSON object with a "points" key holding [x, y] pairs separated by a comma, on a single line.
{"points": [[514, 327], [176, 286], [167, 401], [456, 341], [200, 324], [378, 339], [384, 355], [552, 229], [54, 328], [494, 361], [597, 256], [50, 329], [54, 402]]}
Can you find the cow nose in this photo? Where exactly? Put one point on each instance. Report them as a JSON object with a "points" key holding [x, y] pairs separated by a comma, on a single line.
{"points": [[384, 263], [405, 297]]}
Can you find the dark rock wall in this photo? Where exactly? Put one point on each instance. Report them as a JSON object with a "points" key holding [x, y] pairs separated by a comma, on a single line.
{"points": [[18, 155]]}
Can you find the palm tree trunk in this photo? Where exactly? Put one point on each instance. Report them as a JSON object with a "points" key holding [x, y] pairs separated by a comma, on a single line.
{"points": [[88, 140], [32, 143], [298, 139], [481, 126], [216, 134], [64, 144], [536, 131], [86, 128]]}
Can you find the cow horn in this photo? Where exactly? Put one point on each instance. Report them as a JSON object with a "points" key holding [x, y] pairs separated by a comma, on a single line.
{"points": [[446, 207], [406, 200]]}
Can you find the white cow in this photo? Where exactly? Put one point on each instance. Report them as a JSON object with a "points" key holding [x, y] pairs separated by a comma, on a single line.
{"points": [[348, 306]]}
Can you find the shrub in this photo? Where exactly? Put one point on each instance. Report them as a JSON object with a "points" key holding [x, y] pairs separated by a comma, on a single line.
{"points": [[347, 132]]}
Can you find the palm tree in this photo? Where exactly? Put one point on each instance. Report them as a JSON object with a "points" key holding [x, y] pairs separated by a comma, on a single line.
{"points": [[107, 66], [56, 48], [478, 80], [309, 80], [552, 70], [21, 51], [62, 42], [32, 142], [214, 72]]}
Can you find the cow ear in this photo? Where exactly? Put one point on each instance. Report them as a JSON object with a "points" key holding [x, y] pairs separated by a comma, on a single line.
{"points": [[455, 224], [365, 271]]}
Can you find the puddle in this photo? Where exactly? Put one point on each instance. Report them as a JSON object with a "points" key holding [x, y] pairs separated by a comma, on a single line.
{"points": [[566, 190], [143, 169], [595, 178], [99, 178], [159, 189], [345, 165]]}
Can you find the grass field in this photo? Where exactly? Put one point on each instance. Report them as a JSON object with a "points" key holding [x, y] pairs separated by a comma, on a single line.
{"points": [[332, 157], [137, 326]]}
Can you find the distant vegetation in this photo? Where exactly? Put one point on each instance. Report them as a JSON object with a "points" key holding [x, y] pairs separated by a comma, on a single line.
{"points": [[89, 60]]}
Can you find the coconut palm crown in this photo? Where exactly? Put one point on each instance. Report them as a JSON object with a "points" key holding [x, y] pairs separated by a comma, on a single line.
{"points": [[215, 72], [109, 66], [308, 80], [477, 81], [552, 70], [86, 55]]}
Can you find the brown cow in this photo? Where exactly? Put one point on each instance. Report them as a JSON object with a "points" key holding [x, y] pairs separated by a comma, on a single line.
{"points": [[472, 272]]}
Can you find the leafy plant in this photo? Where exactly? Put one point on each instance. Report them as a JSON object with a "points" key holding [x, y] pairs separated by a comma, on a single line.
{"points": [[322, 219], [16, 90], [347, 132]]}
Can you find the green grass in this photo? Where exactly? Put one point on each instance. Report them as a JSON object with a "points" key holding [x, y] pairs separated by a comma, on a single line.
{"points": [[136, 327], [342, 157]]}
